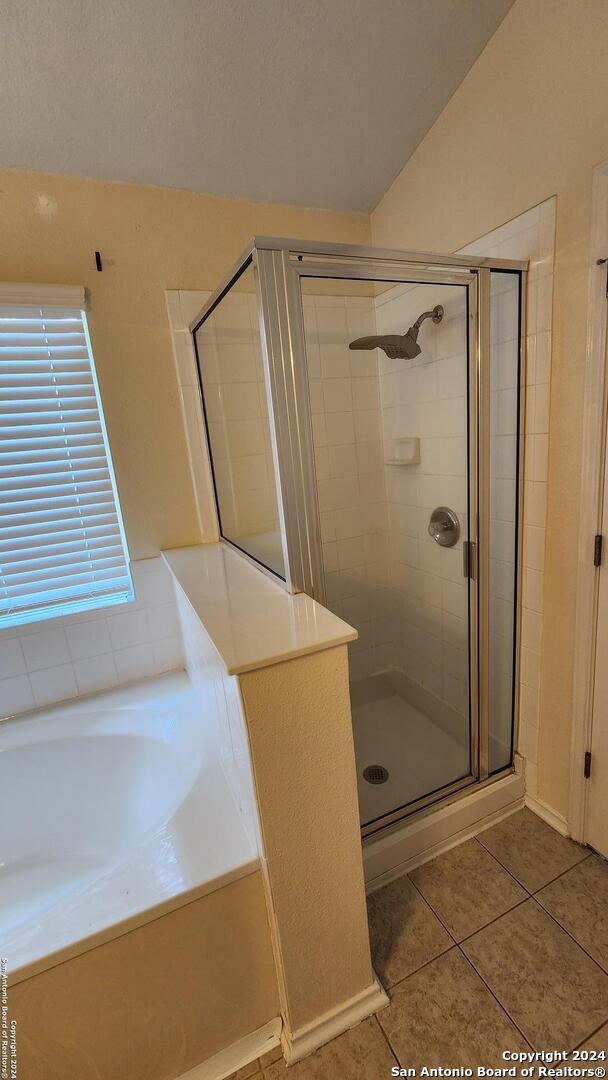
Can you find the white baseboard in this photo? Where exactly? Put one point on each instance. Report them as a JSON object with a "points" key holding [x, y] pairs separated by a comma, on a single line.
{"points": [[555, 820], [237, 1055], [299, 1044], [414, 843]]}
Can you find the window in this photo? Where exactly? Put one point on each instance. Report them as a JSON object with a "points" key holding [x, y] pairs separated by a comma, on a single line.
{"points": [[62, 542]]}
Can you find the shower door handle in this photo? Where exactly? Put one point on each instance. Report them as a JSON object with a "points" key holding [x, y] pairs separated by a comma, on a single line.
{"points": [[468, 559]]}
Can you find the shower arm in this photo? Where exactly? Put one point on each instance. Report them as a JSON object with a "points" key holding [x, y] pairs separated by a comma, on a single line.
{"points": [[436, 315], [399, 346]]}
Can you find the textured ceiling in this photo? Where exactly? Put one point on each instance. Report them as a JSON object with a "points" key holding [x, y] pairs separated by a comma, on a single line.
{"points": [[315, 102]]}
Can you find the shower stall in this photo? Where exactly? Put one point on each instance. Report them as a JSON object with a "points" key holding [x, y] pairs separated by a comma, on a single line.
{"points": [[364, 412]]}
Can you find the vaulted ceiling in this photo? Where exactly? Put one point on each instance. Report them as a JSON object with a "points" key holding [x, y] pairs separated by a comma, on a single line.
{"points": [[313, 102]]}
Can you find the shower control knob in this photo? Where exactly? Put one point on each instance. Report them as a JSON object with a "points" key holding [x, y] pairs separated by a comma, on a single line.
{"points": [[444, 527]]}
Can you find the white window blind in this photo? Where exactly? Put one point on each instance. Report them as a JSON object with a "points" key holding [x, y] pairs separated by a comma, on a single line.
{"points": [[62, 542]]}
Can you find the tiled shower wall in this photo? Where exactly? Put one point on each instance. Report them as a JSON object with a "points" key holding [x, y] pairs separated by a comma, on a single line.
{"points": [[347, 436], [182, 307], [531, 236], [427, 398], [237, 411], [504, 354]]}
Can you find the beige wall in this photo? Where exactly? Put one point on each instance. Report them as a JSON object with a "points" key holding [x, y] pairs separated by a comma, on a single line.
{"points": [[157, 1001], [151, 239], [300, 734], [529, 121]]}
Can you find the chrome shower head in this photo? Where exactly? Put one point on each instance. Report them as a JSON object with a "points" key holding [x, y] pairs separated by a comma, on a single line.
{"points": [[399, 346]]}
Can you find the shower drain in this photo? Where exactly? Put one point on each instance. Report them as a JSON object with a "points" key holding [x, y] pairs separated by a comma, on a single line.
{"points": [[375, 774]]}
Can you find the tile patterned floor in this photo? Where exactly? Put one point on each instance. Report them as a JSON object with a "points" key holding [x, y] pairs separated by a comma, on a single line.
{"points": [[404, 932], [467, 889], [530, 850], [500, 943]]}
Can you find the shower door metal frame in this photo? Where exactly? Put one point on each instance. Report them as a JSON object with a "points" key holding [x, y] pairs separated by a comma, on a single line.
{"points": [[280, 276], [279, 265]]}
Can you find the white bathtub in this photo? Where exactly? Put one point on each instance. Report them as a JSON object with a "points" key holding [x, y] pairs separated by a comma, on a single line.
{"points": [[114, 808]]}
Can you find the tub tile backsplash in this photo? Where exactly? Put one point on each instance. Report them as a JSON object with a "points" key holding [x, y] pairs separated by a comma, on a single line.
{"points": [[12, 660], [52, 684], [16, 695], [57, 659], [219, 698], [47, 649]]}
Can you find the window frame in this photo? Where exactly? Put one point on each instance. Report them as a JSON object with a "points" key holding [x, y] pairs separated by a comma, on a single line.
{"points": [[23, 297]]}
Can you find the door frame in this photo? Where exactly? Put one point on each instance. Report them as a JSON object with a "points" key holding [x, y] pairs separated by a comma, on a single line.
{"points": [[591, 502]]}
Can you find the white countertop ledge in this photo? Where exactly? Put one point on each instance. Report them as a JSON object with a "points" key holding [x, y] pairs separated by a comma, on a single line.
{"points": [[251, 620]]}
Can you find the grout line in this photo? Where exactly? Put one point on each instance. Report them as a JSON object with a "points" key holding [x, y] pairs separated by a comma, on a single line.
{"points": [[578, 1046], [572, 938], [496, 919], [496, 999], [551, 880], [458, 944], [386, 1039], [470, 964], [499, 863], [563, 873], [495, 857], [481, 976], [431, 908], [457, 941], [399, 983], [529, 896]]}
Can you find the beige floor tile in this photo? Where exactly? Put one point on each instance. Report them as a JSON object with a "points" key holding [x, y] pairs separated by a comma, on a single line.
{"points": [[579, 902], [444, 1015], [599, 1041], [404, 932], [530, 849], [555, 994], [467, 888], [360, 1054]]}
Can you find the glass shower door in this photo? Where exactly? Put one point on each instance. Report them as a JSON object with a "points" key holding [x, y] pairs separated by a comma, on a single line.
{"points": [[363, 416], [388, 366]]}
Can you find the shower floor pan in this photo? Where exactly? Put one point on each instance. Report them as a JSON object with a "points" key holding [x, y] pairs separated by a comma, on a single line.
{"points": [[419, 755]]}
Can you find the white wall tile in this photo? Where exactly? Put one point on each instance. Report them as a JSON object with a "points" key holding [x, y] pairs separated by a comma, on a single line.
{"points": [[88, 639], [535, 244], [220, 702], [350, 475], [428, 400], [53, 660], [16, 695], [53, 684], [95, 673], [168, 654], [163, 622], [45, 649], [12, 660], [128, 628], [135, 662]]}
